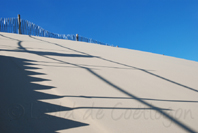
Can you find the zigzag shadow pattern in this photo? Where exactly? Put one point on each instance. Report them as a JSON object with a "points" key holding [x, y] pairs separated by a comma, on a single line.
{"points": [[132, 96], [20, 108], [108, 82]]}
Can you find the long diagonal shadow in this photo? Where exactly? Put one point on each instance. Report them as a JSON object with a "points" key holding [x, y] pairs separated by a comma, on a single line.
{"points": [[143, 70], [124, 108], [180, 124], [103, 97], [175, 121]]}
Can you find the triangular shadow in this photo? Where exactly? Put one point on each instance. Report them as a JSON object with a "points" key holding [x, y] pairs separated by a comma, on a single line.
{"points": [[21, 110]]}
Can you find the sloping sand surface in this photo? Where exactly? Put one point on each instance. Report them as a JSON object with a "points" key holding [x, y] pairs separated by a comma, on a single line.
{"points": [[53, 85]]}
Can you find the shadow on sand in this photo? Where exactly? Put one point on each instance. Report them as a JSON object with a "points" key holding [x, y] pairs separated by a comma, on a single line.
{"points": [[142, 101], [21, 110], [149, 99]]}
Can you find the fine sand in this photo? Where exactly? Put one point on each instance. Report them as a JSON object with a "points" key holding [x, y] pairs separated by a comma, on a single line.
{"points": [[52, 85]]}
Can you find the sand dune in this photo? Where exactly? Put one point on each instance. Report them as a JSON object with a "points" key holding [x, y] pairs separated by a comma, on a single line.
{"points": [[53, 85]]}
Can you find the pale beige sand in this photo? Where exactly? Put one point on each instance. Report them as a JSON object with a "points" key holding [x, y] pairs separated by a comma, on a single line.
{"points": [[53, 85]]}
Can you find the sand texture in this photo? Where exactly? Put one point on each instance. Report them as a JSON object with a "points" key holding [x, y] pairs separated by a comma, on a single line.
{"points": [[52, 85]]}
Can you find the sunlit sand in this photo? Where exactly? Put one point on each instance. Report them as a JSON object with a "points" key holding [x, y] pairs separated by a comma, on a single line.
{"points": [[53, 85]]}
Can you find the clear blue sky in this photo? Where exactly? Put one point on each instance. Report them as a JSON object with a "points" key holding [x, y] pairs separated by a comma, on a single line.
{"points": [[168, 27]]}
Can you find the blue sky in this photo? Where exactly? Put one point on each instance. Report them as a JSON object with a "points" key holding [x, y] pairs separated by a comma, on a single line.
{"points": [[168, 27]]}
